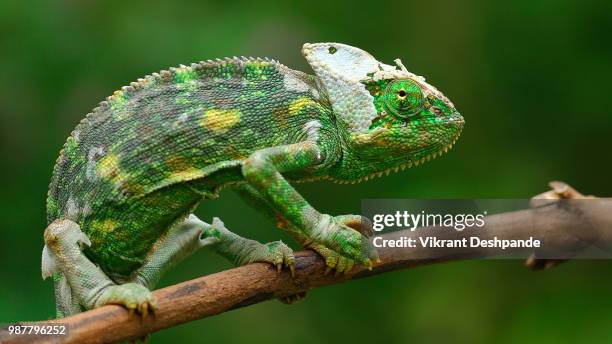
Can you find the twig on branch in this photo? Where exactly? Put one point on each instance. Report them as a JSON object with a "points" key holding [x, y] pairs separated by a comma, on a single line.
{"points": [[243, 286]]}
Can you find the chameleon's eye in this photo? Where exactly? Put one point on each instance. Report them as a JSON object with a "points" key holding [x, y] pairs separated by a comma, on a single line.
{"points": [[404, 98]]}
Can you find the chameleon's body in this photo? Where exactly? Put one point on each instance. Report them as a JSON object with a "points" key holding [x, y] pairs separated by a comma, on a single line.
{"points": [[137, 166], [200, 122]]}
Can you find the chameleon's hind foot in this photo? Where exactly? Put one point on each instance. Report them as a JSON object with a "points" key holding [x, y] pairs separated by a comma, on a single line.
{"points": [[245, 251], [179, 242], [133, 296], [275, 253], [89, 286]]}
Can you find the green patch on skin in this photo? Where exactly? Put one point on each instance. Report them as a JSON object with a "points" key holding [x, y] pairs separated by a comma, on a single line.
{"points": [[185, 79], [258, 94], [71, 148], [72, 153], [210, 142], [118, 104], [52, 207], [185, 75], [183, 99], [225, 71], [258, 70]]}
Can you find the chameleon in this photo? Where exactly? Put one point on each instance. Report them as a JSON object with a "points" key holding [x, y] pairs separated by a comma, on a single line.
{"points": [[123, 190]]}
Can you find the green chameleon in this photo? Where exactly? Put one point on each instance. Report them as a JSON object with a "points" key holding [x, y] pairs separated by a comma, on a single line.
{"points": [[132, 172]]}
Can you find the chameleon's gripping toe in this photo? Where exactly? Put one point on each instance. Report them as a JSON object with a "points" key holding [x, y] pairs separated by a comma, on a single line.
{"points": [[343, 241], [293, 299], [333, 260], [277, 254], [133, 296]]}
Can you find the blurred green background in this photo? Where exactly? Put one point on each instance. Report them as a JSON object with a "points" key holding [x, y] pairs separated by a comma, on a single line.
{"points": [[532, 79]]}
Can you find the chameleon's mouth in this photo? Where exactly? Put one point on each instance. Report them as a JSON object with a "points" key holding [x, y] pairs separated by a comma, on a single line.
{"points": [[403, 166]]}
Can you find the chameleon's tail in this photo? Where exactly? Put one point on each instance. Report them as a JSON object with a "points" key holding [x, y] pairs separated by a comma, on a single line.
{"points": [[65, 303]]}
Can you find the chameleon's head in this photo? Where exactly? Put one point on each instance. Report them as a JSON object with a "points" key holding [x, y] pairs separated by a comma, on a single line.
{"points": [[395, 119]]}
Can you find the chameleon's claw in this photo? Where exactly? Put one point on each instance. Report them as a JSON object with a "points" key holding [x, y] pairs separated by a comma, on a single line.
{"points": [[333, 260], [550, 264], [134, 297], [276, 253], [349, 266], [344, 265], [291, 299], [290, 263], [144, 310]]}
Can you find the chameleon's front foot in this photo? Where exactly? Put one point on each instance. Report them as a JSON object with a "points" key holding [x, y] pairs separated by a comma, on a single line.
{"points": [[133, 296], [333, 260], [341, 245]]}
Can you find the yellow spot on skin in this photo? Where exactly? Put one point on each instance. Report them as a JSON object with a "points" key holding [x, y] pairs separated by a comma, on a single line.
{"points": [[108, 168], [133, 189], [220, 120], [297, 105], [235, 153], [177, 163], [185, 175], [104, 226]]}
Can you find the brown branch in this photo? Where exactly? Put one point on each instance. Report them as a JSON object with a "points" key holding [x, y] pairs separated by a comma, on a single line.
{"points": [[243, 286]]}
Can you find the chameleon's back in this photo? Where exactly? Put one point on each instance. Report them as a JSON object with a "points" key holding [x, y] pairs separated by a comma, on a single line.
{"points": [[125, 174]]}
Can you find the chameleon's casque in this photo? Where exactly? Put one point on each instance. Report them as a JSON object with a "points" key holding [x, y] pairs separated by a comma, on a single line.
{"points": [[135, 168]]}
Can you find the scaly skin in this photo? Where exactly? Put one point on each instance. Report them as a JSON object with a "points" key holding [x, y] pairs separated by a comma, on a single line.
{"points": [[136, 167]]}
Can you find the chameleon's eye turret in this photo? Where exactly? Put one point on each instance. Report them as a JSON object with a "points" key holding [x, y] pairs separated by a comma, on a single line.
{"points": [[403, 98]]}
